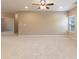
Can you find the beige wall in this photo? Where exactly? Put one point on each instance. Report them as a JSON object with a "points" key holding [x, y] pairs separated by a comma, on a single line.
{"points": [[32, 23], [44, 23], [73, 12]]}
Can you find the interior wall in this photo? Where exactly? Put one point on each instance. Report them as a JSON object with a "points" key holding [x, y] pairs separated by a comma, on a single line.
{"points": [[73, 12], [43, 23]]}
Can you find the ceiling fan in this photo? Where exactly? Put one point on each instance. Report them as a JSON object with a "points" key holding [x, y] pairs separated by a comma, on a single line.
{"points": [[43, 4]]}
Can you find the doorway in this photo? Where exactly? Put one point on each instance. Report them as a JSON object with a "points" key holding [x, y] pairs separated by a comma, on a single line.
{"points": [[7, 25]]}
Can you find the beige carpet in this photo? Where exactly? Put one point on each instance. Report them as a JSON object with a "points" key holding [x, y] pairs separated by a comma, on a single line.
{"points": [[38, 47]]}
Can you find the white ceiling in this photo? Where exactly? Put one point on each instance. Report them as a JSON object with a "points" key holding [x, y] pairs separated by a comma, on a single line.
{"points": [[19, 5]]}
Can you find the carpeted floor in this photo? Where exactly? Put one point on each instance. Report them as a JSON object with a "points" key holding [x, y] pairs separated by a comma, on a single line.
{"points": [[38, 47]]}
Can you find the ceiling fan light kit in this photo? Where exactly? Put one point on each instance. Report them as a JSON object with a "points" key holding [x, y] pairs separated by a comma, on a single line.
{"points": [[42, 7], [43, 4]]}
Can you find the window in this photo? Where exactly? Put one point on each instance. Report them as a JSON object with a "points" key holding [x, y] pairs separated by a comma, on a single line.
{"points": [[71, 23]]}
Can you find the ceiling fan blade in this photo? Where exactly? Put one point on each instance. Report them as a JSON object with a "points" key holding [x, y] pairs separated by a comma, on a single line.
{"points": [[47, 8], [50, 4], [38, 8], [35, 4]]}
